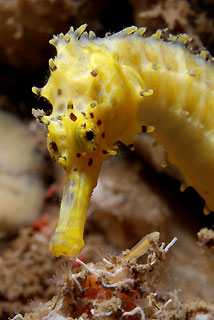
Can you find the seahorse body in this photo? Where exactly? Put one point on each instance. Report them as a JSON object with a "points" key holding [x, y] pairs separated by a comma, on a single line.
{"points": [[103, 91]]}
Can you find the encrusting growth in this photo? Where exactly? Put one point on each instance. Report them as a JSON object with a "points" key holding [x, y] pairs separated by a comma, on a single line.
{"points": [[103, 90], [118, 287]]}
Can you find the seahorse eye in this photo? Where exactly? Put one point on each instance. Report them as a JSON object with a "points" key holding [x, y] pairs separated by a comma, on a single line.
{"points": [[89, 135]]}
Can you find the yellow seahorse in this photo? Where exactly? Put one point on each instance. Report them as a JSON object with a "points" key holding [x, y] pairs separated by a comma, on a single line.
{"points": [[103, 90]]}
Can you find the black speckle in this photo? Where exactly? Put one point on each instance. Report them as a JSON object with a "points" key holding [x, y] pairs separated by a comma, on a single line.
{"points": [[144, 129], [104, 151], [83, 113], [70, 105], [78, 155], [53, 146], [94, 73], [59, 92], [103, 135], [93, 105], [92, 115], [90, 161], [99, 122], [53, 67]]}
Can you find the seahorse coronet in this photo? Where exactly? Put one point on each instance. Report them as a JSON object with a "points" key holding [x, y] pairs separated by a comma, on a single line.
{"points": [[103, 90]]}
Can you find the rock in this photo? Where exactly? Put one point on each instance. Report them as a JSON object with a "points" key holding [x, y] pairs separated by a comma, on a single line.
{"points": [[21, 188]]}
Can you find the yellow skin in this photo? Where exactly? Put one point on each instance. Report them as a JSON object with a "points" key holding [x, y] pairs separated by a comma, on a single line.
{"points": [[103, 91]]}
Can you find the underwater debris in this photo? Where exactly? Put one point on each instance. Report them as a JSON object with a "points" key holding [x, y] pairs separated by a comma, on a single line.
{"points": [[115, 288], [118, 288], [206, 239], [191, 17]]}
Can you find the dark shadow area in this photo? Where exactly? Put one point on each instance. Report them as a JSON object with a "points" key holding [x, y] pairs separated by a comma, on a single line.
{"points": [[117, 15]]}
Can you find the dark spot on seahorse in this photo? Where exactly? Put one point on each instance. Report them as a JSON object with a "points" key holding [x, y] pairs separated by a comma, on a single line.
{"points": [[59, 92], [70, 105], [84, 125], [104, 151], [93, 105], [67, 39], [103, 135], [53, 146], [90, 161], [60, 107], [78, 155], [94, 73], [99, 122], [89, 135], [144, 129], [83, 113], [155, 66], [73, 117], [131, 146], [53, 67], [92, 115]]}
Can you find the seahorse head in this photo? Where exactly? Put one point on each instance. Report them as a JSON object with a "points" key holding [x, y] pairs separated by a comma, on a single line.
{"points": [[91, 92]]}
